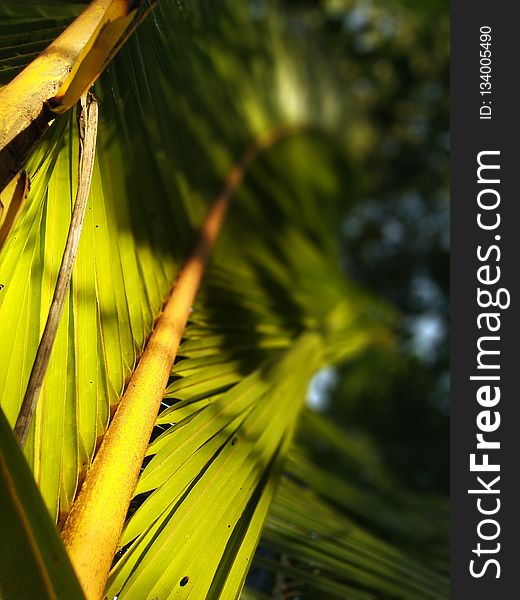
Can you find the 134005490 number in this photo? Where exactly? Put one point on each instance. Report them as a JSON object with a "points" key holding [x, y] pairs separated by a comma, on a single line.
{"points": [[485, 60]]}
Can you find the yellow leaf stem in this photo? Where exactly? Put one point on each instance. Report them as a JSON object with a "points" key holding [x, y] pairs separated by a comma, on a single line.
{"points": [[93, 527], [57, 78]]}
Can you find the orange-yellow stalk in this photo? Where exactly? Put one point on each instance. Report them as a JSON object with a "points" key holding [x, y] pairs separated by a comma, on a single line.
{"points": [[93, 527], [57, 78]]}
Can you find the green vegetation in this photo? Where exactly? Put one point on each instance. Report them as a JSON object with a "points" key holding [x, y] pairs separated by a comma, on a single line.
{"points": [[332, 259]]}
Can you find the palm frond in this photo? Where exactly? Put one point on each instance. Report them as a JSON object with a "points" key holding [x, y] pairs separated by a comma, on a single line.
{"points": [[230, 417], [347, 560], [191, 89]]}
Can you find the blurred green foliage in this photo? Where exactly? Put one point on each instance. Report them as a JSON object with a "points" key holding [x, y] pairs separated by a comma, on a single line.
{"points": [[390, 58]]}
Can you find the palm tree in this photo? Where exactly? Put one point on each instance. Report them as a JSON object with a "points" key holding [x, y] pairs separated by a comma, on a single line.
{"points": [[206, 110]]}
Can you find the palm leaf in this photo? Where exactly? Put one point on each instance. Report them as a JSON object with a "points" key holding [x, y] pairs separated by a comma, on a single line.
{"points": [[275, 307], [343, 555]]}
